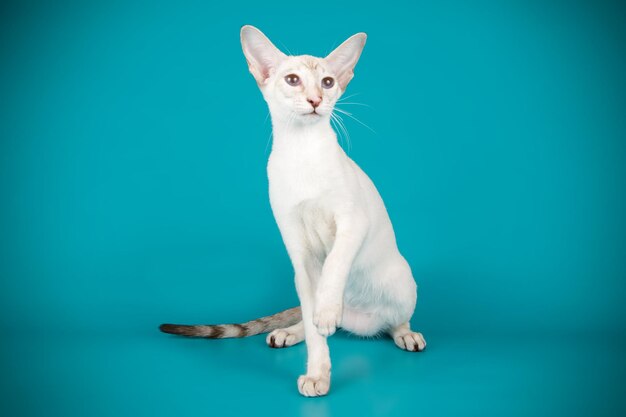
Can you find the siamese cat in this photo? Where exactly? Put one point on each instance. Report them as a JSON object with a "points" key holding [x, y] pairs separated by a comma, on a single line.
{"points": [[349, 272]]}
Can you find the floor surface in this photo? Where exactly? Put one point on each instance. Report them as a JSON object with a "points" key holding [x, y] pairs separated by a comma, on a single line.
{"points": [[152, 374]]}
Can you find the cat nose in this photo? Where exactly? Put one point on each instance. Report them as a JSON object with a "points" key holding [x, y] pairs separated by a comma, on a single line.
{"points": [[314, 101]]}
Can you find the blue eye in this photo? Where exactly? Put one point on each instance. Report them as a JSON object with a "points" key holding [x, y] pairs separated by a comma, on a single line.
{"points": [[292, 79], [328, 82]]}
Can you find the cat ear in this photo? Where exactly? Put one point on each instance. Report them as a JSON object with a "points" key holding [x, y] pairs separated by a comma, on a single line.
{"points": [[344, 58], [261, 54]]}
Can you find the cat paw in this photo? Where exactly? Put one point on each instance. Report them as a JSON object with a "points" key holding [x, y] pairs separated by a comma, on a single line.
{"points": [[281, 338], [313, 386], [327, 320], [411, 341]]}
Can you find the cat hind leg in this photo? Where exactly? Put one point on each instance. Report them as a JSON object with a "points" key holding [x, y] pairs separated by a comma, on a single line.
{"points": [[406, 339], [360, 323], [286, 337]]}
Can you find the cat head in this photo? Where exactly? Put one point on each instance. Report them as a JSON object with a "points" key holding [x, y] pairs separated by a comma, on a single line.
{"points": [[300, 89]]}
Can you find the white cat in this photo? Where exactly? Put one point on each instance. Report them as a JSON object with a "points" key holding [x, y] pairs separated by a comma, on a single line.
{"points": [[348, 270]]}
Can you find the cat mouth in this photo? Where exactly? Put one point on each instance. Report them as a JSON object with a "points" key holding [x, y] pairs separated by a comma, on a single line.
{"points": [[313, 113]]}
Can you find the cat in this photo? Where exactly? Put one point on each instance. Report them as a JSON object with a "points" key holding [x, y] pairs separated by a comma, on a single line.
{"points": [[348, 270]]}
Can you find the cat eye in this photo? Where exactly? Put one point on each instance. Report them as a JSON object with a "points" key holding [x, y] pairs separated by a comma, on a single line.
{"points": [[292, 79], [328, 82]]}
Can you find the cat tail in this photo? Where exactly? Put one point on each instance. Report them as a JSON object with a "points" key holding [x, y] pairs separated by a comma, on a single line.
{"points": [[220, 331]]}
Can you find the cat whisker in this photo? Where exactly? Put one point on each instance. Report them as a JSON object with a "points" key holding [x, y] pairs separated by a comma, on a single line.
{"points": [[292, 116], [269, 139], [336, 128], [357, 104], [343, 128], [347, 133], [344, 136], [354, 118], [333, 121], [286, 49], [347, 97]]}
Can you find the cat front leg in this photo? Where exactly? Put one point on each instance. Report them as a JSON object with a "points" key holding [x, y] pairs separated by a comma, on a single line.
{"points": [[316, 381], [351, 229]]}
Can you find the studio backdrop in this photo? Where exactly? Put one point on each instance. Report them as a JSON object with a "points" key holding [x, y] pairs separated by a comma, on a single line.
{"points": [[133, 191]]}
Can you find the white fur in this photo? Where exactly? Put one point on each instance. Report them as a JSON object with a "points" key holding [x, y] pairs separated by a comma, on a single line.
{"points": [[348, 270]]}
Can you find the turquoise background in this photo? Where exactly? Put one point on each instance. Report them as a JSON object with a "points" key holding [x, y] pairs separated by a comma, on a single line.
{"points": [[133, 192]]}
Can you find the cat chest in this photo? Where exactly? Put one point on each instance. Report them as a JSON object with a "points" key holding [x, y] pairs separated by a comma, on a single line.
{"points": [[294, 180], [317, 228], [303, 199]]}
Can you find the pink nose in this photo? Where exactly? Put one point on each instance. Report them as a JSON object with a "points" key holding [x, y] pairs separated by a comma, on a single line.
{"points": [[314, 101]]}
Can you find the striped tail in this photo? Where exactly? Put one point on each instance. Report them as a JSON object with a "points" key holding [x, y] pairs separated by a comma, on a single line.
{"points": [[220, 331]]}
